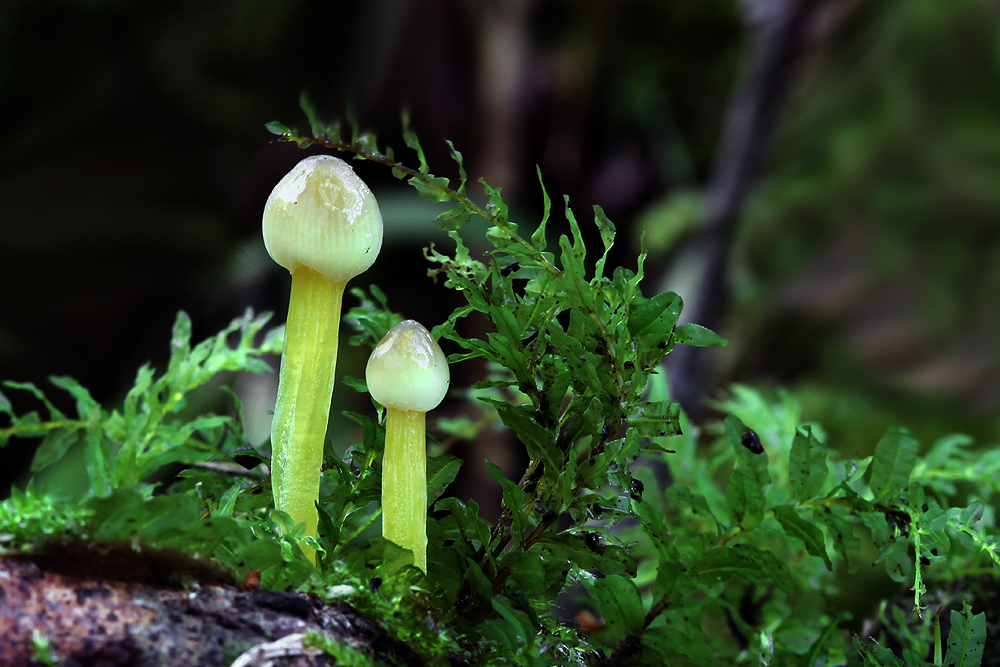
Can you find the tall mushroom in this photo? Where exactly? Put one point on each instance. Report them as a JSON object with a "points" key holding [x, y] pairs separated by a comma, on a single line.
{"points": [[407, 374], [322, 223]]}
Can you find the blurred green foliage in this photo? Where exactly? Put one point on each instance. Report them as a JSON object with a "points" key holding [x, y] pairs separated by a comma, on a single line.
{"points": [[867, 270], [731, 557], [871, 248]]}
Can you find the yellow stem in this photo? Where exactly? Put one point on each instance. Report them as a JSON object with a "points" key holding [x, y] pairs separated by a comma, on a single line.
{"points": [[404, 482], [305, 388]]}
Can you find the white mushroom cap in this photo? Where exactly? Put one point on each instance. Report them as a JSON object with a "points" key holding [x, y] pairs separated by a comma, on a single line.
{"points": [[407, 370], [321, 215]]}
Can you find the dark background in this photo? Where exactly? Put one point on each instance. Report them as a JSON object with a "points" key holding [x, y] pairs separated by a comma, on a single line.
{"points": [[861, 270]]}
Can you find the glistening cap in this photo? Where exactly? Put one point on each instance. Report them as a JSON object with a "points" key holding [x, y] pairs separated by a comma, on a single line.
{"points": [[321, 215], [407, 370]]}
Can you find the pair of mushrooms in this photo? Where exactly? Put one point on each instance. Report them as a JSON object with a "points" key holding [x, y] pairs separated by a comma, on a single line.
{"points": [[321, 222]]}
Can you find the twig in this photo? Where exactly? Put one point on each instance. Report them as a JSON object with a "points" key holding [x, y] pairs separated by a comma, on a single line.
{"points": [[264, 655], [750, 120]]}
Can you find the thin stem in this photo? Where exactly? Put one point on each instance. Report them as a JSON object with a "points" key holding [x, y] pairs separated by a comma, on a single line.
{"points": [[404, 482], [305, 388]]}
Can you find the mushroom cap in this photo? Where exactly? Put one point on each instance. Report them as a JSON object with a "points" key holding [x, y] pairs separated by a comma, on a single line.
{"points": [[407, 369], [321, 215]]}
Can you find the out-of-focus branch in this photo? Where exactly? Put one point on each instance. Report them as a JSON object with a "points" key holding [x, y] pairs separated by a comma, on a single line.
{"points": [[503, 52], [777, 30]]}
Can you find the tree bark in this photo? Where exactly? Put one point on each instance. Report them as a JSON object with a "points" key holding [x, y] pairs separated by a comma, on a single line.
{"points": [[107, 623]]}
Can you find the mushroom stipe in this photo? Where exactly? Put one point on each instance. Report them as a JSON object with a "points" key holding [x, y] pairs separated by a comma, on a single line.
{"points": [[322, 223]]}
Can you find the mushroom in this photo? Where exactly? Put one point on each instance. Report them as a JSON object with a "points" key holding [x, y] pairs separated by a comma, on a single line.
{"points": [[322, 223], [407, 373]]}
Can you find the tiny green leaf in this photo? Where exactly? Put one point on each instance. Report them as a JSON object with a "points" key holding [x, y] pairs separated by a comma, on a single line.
{"points": [[841, 534], [315, 124], [807, 465], [697, 336], [967, 638], [876, 655], [513, 498], [413, 142], [754, 464], [441, 471], [620, 604], [746, 562], [433, 188], [657, 419], [798, 528], [895, 456], [745, 500], [274, 127], [538, 237], [656, 317]]}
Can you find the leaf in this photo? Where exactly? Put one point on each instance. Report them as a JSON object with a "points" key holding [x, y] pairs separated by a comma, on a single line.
{"points": [[457, 157], [86, 407], [441, 471], [755, 465], [513, 498], [274, 127], [607, 230], [682, 497], [841, 533], [580, 551], [578, 289], [53, 448], [516, 619], [413, 142], [807, 465], [671, 641], [372, 317], [367, 142], [698, 336], [180, 343], [538, 237], [433, 188], [655, 317], [539, 441], [54, 413], [394, 558], [745, 500], [807, 533], [497, 208], [620, 604], [456, 217], [743, 561], [895, 456], [967, 638], [464, 523], [535, 577], [138, 393], [656, 419], [898, 564], [830, 630], [316, 126], [876, 655]]}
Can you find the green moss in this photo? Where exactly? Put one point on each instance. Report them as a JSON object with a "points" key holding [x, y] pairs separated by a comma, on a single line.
{"points": [[599, 555]]}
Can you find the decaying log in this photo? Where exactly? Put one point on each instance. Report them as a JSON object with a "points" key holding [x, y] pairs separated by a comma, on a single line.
{"points": [[108, 622]]}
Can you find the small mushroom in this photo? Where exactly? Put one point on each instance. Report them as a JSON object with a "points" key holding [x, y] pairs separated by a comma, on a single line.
{"points": [[322, 223], [407, 374]]}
